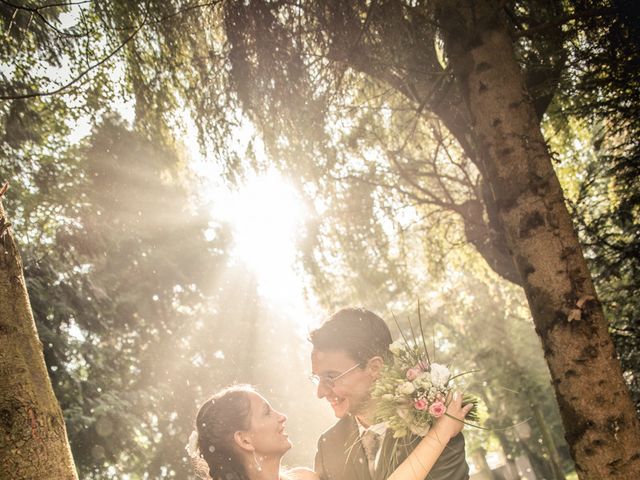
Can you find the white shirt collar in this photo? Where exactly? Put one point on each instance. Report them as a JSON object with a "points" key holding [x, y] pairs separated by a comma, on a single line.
{"points": [[379, 428]]}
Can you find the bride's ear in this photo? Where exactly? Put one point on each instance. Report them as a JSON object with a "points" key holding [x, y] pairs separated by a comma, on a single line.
{"points": [[374, 365], [243, 440]]}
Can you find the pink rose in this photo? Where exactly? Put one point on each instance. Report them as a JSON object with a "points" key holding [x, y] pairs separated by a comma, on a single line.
{"points": [[437, 409], [412, 374], [420, 404]]}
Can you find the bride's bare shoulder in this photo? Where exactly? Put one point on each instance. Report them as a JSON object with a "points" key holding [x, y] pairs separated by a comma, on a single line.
{"points": [[300, 473]]}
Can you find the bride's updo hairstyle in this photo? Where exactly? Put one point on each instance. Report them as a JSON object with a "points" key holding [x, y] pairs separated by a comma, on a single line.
{"points": [[218, 419]]}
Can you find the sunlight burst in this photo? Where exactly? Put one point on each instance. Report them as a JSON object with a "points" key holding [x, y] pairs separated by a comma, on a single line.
{"points": [[266, 214]]}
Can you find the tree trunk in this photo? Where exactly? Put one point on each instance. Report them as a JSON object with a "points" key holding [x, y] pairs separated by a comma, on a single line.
{"points": [[479, 457], [547, 441], [601, 426], [33, 437]]}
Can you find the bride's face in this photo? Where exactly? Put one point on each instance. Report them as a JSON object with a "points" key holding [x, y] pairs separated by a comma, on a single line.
{"points": [[267, 429]]}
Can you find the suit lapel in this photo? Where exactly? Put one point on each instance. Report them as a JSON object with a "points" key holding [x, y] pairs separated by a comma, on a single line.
{"points": [[393, 452], [356, 459], [386, 462]]}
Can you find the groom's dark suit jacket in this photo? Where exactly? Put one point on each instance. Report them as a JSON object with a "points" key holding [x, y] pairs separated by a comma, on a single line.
{"points": [[340, 455]]}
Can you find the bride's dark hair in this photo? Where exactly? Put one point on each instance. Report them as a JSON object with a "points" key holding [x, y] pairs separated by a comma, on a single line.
{"points": [[218, 419]]}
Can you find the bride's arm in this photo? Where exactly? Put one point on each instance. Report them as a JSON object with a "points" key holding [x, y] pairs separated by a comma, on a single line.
{"points": [[420, 461]]}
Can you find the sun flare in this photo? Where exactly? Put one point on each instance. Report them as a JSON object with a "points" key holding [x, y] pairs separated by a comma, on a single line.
{"points": [[266, 214]]}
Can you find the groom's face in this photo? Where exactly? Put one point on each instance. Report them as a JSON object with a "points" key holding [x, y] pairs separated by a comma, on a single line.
{"points": [[350, 392]]}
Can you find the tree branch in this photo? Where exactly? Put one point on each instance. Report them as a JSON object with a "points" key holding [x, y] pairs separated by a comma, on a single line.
{"points": [[36, 11], [82, 74], [596, 12], [136, 30]]}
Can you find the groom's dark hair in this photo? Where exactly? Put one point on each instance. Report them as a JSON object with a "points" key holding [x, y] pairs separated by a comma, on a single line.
{"points": [[359, 332]]}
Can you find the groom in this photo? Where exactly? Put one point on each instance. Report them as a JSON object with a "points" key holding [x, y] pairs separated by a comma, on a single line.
{"points": [[349, 351]]}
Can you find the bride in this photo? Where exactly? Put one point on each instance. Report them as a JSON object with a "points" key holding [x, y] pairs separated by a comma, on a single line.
{"points": [[239, 436]]}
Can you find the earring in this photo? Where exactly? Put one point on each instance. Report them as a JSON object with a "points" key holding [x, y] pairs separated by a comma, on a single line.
{"points": [[258, 464]]}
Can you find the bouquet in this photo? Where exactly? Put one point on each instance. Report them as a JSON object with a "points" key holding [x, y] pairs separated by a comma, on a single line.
{"points": [[412, 392]]}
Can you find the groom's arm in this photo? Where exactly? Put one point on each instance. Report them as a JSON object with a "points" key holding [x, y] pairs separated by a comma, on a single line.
{"points": [[318, 465], [452, 464]]}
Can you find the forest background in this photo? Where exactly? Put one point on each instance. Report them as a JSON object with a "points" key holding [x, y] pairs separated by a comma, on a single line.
{"points": [[195, 185]]}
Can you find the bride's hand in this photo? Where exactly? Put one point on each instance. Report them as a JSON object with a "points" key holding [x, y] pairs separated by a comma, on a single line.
{"points": [[450, 424]]}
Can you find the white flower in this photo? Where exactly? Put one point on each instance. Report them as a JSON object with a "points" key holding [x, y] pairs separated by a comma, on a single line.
{"points": [[192, 445], [396, 347], [388, 396], [439, 374], [406, 388]]}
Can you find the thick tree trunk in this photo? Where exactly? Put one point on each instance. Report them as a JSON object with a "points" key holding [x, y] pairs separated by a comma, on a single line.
{"points": [[33, 438], [599, 418], [392, 24]]}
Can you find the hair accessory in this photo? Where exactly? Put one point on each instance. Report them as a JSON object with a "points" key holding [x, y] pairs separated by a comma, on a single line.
{"points": [[192, 445]]}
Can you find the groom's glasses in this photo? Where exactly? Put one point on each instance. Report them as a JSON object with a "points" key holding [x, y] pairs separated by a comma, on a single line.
{"points": [[330, 380]]}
